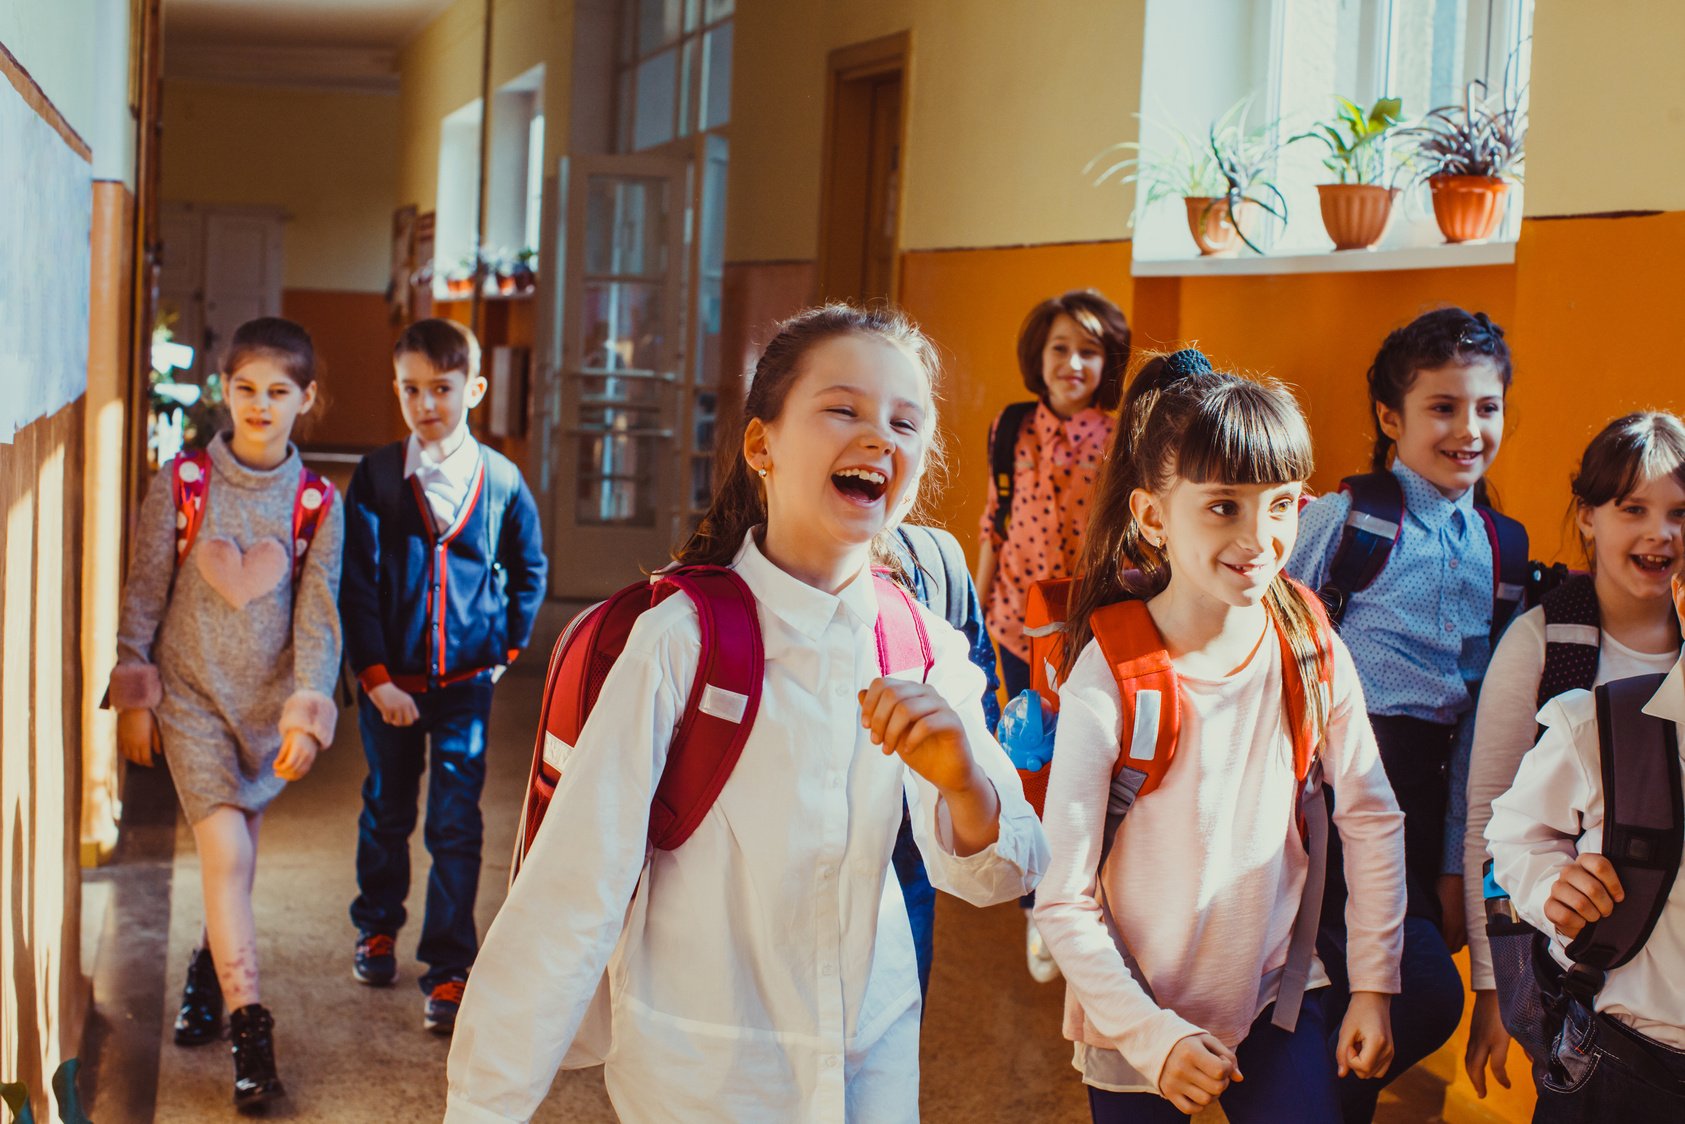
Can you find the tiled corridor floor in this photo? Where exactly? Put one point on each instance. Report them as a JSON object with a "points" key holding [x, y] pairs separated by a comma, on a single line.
{"points": [[356, 1055]]}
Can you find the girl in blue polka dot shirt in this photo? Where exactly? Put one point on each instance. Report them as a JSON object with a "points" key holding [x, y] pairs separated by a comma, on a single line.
{"points": [[1419, 634]]}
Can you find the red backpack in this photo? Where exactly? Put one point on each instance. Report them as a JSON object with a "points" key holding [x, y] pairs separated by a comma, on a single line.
{"points": [[190, 480], [1152, 722], [723, 700]]}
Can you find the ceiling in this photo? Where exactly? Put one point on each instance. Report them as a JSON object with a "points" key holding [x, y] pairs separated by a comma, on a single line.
{"points": [[334, 43]]}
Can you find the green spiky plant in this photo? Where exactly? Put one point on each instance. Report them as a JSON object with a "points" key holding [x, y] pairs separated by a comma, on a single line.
{"points": [[1232, 162], [1356, 140], [1484, 136]]}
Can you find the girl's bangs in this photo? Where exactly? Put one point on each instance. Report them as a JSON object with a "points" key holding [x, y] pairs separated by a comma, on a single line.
{"points": [[1649, 448], [1246, 434]]}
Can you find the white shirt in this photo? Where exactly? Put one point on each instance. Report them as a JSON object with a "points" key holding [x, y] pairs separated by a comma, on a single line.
{"points": [[765, 969], [1537, 828], [1505, 728], [1208, 870], [446, 483]]}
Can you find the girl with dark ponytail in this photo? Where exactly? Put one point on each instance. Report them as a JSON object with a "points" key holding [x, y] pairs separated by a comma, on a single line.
{"points": [[1196, 514], [1420, 631], [764, 969]]}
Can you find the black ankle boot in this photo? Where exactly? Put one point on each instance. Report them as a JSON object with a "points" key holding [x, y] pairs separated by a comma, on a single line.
{"points": [[200, 1018], [252, 1030]]}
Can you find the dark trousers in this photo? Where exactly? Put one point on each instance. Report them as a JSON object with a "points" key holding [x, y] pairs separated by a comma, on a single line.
{"points": [[1288, 1078], [1014, 674], [1608, 1072], [1429, 1005], [920, 897], [449, 744]]}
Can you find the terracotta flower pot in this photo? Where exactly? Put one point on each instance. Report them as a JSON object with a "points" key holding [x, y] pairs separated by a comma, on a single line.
{"points": [[1468, 208], [1213, 227], [1355, 214]]}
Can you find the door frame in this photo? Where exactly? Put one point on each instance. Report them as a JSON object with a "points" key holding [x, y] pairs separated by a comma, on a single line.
{"points": [[873, 58]]}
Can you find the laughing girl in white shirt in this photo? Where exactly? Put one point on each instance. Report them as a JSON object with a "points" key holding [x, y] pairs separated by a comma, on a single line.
{"points": [[764, 970]]}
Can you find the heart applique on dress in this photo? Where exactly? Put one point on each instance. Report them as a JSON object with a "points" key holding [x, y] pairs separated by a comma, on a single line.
{"points": [[241, 578]]}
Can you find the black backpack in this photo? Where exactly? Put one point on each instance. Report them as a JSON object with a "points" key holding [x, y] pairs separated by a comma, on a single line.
{"points": [[1003, 455], [1642, 837]]}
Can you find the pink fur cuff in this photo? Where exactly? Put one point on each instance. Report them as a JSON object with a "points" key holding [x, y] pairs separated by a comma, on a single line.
{"points": [[135, 686], [310, 712]]}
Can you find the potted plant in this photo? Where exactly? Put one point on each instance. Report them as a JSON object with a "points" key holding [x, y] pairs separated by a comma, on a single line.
{"points": [[1223, 178], [1356, 207], [1470, 154], [524, 270], [459, 282]]}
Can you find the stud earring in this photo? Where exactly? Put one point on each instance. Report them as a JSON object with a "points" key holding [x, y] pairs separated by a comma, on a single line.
{"points": [[762, 471]]}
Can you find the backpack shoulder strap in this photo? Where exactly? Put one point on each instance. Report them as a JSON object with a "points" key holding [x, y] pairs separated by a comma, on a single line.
{"points": [[190, 481], [1642, 828], [955, 577], [1573, 638], [1003, 456], [1147, 686], [310, 507], [724, 698], [1366, 541], [903, 641], [922, 543], [1511, 568]]}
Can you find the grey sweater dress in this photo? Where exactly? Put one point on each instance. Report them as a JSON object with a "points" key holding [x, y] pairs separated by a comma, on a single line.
{"points": [[221, 646]]}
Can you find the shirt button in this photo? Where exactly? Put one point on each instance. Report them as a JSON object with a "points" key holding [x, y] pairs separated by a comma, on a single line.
{"points": [[840, 690], [827, 969], [1453, 563], [824, 872], [837, 778], [1449, 627], [831, 1061]]}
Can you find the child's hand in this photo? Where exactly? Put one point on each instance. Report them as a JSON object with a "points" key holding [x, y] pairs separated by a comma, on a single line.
{"points": [[1196, 1072], [1453, 923], [911, 719], [137, 733], [1585, 891], [298, 753], [396, 707], [1488, 1042], [1365, 1046]]}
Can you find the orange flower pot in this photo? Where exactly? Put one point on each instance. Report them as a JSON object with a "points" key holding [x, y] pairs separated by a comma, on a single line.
{"points": [[1213, 227], [1468, 208], [1355, 214]]}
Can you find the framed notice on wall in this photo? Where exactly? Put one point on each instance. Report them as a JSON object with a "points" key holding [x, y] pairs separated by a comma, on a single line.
{"points": [[399, 288], [421, 277]]}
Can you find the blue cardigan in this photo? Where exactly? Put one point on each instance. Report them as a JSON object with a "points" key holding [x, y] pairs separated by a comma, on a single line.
{"points": [[425, 609]]}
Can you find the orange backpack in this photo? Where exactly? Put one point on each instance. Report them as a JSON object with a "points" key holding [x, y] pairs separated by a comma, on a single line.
{"points": [[1147, 686]]}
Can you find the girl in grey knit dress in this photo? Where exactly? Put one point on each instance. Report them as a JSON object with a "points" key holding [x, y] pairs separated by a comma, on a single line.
{"points": [[227, 657]]}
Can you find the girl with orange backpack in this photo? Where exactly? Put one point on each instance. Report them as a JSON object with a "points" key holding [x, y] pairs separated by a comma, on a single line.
{"points": [[762, 967], [1202, 700]]}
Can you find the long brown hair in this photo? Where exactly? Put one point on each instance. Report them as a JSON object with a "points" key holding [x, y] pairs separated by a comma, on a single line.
{"points": [[739, 500], [1184, 420]]}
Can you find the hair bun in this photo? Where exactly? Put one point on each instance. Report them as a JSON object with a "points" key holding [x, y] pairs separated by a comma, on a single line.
{"points": [[1187, 362], [1485, 321]]}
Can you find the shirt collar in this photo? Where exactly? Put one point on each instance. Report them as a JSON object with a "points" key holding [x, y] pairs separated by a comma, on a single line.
{"points": [[1427, 503], [1050, 425], [458, 465], [1669, 701], [797, 604]]}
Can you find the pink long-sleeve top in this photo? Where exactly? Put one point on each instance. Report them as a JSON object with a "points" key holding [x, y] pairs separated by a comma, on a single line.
{"points": [[1204, 881]]}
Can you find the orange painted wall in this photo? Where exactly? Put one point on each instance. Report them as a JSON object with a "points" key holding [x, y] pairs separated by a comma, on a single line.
{"points": [[354, 339], [971, 302]]}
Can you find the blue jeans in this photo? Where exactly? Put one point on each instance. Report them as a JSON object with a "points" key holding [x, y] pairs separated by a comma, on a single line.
{"points": [[449, 743], [1288, 1078], [1607, 1072], [920, 897]]}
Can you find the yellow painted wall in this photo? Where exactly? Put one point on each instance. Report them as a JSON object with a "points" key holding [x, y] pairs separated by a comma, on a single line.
{"points": [[439, 73], [327, 158], [1005, 104], [1608, 107]]}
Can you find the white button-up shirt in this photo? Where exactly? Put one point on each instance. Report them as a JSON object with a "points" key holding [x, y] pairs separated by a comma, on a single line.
{"points": [[764, 970], [1555, 811], [445, 482]]}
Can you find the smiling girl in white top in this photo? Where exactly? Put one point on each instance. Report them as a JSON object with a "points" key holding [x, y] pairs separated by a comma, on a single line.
{"points": [[763, 970], [1629, 509], [1175, 948]]}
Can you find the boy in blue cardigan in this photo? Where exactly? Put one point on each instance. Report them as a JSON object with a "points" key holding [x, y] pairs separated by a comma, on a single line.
{"points": [[443, 576]]}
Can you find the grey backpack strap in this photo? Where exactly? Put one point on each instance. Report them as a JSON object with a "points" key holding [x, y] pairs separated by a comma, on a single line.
{"points": [[927, 556], [956, 579], [1301, 949], [1642, 829]]}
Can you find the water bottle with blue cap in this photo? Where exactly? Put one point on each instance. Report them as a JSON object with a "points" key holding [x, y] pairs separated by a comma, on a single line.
{"points": [[1026, 732]]}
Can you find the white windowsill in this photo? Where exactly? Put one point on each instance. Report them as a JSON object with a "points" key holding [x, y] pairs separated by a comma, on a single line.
{"points": [[1248, 264]]}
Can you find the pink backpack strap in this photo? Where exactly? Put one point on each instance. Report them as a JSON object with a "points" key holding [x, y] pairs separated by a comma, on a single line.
{"points": [[724, 698], [903, 642], [190, 479], [310, 507]]}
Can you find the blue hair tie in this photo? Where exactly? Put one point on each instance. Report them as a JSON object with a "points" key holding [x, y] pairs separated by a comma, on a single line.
{"points": [[1187, 362]]}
